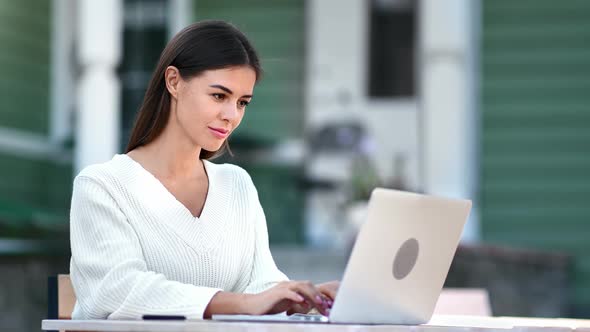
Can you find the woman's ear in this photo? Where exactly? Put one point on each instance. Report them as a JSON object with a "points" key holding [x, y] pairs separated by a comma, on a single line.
{"points": [[172, 78]]}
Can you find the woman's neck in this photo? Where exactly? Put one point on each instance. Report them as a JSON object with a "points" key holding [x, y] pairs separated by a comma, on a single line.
{"points": [[170, 157]]}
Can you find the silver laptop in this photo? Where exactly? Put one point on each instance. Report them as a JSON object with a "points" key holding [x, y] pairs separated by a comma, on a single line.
{"points": [[399, 262]]}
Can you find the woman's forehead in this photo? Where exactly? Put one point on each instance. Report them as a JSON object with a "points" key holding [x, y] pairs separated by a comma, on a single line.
{"points": [[242, 77]]}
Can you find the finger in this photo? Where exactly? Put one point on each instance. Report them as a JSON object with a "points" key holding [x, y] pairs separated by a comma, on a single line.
{"points": [[329, 289], [309, 291], [328, 301], [313, 295], [281, 306], [293, 296], [299, 308], [330, 294]]}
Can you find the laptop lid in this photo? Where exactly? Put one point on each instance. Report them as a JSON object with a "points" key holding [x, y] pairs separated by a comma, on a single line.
{"points": [[400, 259]]}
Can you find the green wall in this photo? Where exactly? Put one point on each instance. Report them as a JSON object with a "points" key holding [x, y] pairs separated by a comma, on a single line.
{"points": [[535, 180], [25, 28], [33, 192]]}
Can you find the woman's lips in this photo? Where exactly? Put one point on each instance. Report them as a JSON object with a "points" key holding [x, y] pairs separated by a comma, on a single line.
{"points": [[219, 132]]}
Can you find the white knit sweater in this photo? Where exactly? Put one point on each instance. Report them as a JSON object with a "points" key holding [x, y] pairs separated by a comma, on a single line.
{"points": [[137, 250]]}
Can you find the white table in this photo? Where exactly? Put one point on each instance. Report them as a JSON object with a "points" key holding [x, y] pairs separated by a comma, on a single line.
{"points": [[438, 324]]}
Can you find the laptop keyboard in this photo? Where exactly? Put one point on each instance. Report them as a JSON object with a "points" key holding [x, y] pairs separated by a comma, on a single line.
{"points": [[308, 318]]}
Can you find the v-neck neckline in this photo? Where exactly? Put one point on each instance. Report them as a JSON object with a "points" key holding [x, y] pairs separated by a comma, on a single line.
{"points": [[185, 210], [203, 233]]}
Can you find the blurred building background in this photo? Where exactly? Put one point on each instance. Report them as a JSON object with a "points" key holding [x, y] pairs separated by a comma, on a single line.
{"points": [[487, 100]]}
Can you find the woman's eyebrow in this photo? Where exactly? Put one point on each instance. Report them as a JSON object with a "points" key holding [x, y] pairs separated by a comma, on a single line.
{"points": [[218, 86]]}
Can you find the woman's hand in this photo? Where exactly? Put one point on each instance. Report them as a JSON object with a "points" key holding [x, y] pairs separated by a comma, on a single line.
{"points": [[290, 296], [328, 291]]}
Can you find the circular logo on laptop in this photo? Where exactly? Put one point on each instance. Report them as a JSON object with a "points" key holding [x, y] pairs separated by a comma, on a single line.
{"points": [[405, 259]]}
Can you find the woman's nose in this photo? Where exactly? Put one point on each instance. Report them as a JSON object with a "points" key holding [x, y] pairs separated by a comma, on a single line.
{"points": [[229, 111]]}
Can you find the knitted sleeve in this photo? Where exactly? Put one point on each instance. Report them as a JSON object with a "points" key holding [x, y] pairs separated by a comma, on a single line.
{"points": [[108, 270]]}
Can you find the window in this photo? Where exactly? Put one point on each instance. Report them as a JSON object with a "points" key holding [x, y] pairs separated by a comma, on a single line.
{"points": [[144, 37], [392, 48]]}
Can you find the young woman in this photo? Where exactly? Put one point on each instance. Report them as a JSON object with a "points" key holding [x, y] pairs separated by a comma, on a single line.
{"points": [[162, 230]]}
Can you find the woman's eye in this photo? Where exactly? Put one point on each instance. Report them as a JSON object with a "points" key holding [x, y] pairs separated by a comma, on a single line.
{"points": [[218, 96], [243, 103]]}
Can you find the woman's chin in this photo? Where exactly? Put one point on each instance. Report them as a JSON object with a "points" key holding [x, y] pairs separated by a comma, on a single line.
{"points": [[212, 147]]}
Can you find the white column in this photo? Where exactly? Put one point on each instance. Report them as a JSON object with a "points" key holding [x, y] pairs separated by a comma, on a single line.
{"points": [[100, 35], [336, 35], [181, 15], [448, 95], [62, 71]]}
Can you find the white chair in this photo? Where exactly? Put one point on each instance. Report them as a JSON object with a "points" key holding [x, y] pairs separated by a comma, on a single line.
{"points": [[463, 301]]}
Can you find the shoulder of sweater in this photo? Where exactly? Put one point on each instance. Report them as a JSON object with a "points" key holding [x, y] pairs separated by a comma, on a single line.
{"points": [[234, 171], [229, 170], [101, 172]]}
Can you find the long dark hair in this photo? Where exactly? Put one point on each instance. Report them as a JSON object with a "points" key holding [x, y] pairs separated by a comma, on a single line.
{"points": [[199, 47]]}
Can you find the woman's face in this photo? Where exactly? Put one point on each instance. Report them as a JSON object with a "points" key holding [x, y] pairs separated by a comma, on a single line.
{"points": [[211, 105]]}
